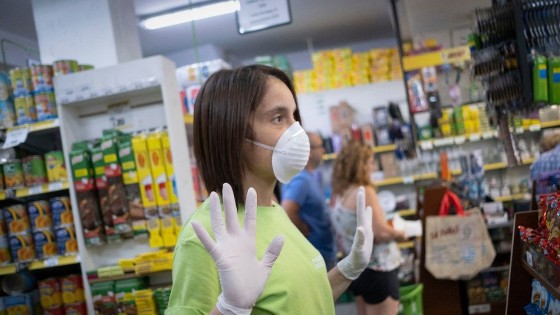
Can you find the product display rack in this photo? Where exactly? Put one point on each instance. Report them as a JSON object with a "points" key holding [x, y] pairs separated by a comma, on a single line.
{"points": [[148, 90]]}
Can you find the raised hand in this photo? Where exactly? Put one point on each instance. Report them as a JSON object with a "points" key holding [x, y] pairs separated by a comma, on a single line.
{"points": [[242, 275], [357, 260]]}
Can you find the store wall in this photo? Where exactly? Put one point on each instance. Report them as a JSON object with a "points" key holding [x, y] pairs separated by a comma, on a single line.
{"points": [[189, 56], [17, 56]]}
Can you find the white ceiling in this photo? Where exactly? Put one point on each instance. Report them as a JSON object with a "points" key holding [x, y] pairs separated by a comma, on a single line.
{"points": [[328, 23]]}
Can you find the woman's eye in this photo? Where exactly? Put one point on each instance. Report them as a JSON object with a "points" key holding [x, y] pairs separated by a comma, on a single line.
{"points": [[278, 119]]}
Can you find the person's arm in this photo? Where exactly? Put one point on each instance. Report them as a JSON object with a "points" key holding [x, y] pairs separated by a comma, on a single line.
{"points": [[353, 265], [215, 312], [292, 209], [383, 231]]}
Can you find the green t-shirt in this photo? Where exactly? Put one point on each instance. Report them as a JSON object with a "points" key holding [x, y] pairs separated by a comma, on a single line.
{"points": [[298, 283]]}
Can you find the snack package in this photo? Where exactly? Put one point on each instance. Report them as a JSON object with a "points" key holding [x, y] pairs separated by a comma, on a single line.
{"points": [[144, 173], [103, 195], [159, 174]]}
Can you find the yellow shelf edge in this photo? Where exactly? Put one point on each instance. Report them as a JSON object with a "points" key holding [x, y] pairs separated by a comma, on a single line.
{"points": [[329, 156], [62, 261], [409, 244], [407, 212], [550, 124], [38, 126], [436, 58], [7, 270], [388, 181], [384, 148], [495, 166], [45, 188]]}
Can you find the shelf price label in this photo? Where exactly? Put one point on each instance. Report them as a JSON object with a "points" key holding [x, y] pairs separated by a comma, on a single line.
{"points": [[16, 136], [35, 190], [55, 186], [529, 258], [534, 127], [408, 180], [460, 139], [51, 262], [487, 135], [426, 145], [474, 137]]}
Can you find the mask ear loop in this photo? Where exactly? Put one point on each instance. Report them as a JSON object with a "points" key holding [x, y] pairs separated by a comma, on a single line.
{"points": [[262, 145]]}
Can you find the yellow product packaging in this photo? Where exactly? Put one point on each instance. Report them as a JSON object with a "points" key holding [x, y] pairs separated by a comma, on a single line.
{"points": [[144, 173], [159, 174], [154, 229], [171, 181], [168, 231]]}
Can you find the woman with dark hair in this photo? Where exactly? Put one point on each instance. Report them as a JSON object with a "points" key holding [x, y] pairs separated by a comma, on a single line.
{"points": [[246, 137], [377, 288]]}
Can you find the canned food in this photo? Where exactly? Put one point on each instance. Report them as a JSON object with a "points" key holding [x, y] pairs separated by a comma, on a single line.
{"points": [[25, 110], [41, 77], [21, 81], [72, 289], [13, 174], [18, 283], [45, 104], [56, 168], [4, 86], [50, 292], [22, 248], [61, 212], [75, 309], [34, 170], [66, 240], [45, 244], [5, 257], [17, 220], [40, 216], [61, 67], [7, 113]]}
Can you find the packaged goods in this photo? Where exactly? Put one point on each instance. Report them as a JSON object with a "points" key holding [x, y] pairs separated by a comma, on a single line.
{"points": [[45, 104], [45, 244], [34, 170], [22, 248], [142, 159], [117, 199], [82, 171], [72, 289], [132, 186], [41, 77], [7, 112], [40, 215], [66, 240], [26, 112], [50, 293], [21, 81], [18, 304], [17, 219], [56, 167], [13, 174], [62, 67], [61, 212], [159, 174]]}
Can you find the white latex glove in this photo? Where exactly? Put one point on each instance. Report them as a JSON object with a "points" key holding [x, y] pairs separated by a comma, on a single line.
{"points": [[357, 260], [242, 275]]}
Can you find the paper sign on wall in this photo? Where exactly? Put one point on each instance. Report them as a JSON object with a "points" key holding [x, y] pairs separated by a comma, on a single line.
{"points": [[257, 15]]}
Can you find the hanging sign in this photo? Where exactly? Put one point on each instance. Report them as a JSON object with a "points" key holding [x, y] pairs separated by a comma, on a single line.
{"points": [[16, 136], [258, 15]]}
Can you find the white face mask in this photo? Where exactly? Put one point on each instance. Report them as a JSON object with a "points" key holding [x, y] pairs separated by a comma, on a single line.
{"points": [[290, 154]]}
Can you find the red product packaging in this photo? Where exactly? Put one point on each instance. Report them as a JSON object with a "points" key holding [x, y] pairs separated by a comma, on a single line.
{"points": [[75, 309]]}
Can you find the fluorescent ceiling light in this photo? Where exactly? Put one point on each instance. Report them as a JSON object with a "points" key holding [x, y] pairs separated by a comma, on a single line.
{"points": [[190, 14]]}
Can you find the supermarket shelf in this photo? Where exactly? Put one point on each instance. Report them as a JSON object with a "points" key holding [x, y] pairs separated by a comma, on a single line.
{"points": [[53, 262], [404, 180], [544, 281], [189, 119], [513, 197], [550, 124], [495, 166], [378, 149], [32, 191], [127, 276], [39, 126], [436, 58]]}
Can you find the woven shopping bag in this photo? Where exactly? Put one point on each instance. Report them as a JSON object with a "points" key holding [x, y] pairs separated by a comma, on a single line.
{"points": [[457, 246]]}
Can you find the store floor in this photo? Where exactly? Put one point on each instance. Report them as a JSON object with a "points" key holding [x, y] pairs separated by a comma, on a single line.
{"points": [[345, 309]]}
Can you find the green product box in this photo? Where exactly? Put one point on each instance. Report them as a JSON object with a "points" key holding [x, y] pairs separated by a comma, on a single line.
{"points": [[540, 79], [103, 194], [117, 200], [554, 80], [132, 186], [86, 194]]}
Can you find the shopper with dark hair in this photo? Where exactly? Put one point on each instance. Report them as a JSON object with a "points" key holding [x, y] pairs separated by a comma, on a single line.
{"points": [[247, 135], [377, 288]]}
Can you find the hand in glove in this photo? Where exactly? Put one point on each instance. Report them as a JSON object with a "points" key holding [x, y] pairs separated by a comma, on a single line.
{"points": [[242, 275], [357, 260]]}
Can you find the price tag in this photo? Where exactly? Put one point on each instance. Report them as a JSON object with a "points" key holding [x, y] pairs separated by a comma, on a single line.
{"points": [[10, 193], [519, 129], [529, 258], [16, 136], [534, 127], [51, 262], [78, 258], [460, 140], [475, 137], [55, 186], [35, 190], [487, 135], [121, 117], [408, 180], [426, 145], [480, 309]]}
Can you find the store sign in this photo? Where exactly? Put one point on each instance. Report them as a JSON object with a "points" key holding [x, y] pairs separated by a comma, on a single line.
{"points": [[455, 55], [258, 15], [121, 117], [16, 136]]}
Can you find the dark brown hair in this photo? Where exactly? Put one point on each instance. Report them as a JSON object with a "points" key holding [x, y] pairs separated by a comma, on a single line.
{"points": [[349, 167], [223, 116]]}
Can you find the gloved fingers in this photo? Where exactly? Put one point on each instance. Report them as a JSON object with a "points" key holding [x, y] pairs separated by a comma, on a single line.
{"points": [[230, 209], [216, 217], [204, 237], [251, 213], [361, 206], [369, 219], [359, 239], [273, 251]]}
